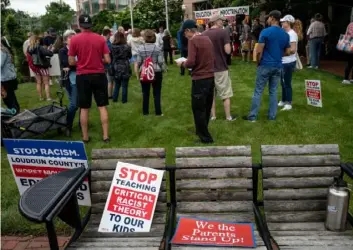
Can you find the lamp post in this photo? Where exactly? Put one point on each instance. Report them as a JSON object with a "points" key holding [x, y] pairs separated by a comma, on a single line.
{"points": [[166, 14], [131, 16]]}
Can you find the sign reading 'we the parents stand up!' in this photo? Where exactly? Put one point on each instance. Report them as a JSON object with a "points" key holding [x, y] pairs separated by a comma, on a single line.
{"points": [[194, 231]]}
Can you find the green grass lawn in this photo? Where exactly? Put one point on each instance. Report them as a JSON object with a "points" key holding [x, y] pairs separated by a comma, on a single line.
{"points": [[128, 128]]}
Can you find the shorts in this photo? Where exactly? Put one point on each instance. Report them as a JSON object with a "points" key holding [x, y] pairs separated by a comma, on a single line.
{"points": [[133, 59], [223, 84], [109, 77], [95, 84], [42, 72]]}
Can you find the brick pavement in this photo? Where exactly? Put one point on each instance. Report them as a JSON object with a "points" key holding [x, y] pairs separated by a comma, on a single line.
{"points": [[29, 243]]}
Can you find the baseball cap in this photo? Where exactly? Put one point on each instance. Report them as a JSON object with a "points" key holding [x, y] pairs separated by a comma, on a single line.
{"points": [[217, 17], [51, 31], [275, 14], [85, 21], [188, 24], [288, 18]]}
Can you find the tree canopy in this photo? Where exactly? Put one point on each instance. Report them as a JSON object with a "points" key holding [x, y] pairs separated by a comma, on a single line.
{"points": [[58, 16]]}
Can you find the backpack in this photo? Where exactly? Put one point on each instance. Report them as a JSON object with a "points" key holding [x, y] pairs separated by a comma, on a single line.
{"points": [[39, 60], [147, 74]]}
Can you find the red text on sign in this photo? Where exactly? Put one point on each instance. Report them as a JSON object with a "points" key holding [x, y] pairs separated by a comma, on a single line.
{"points": [[137, 175]]}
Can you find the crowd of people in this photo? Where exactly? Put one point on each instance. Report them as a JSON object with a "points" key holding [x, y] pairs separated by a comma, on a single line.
{"points": [[100, 65]]}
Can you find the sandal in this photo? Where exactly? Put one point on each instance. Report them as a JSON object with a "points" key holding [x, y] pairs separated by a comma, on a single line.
{"points": [[86, 141]]}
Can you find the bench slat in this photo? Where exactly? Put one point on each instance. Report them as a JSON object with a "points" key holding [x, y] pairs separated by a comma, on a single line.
{"points": [[110, 164], [310, 160], [296, 194], [220, 195], [324, 241], [119, 243], [102, 197], [299, 149], [214, 184], [92, 232], [111, 248], [309, 182], [302, 171], [104, 186], [258, 241], [232, 217], [98, 207], [214, 162], [300, 226], [214, 151], [107, 175], [158, 218], [128, 153], [213, 173], [314, 233], [218, 206], [302, 216], [295, 205]]}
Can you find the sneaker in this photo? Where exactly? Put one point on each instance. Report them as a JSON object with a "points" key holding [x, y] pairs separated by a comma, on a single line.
{"points": [[346, 82], [281, 104], [287, 107], [310, 67], [107, 140], [246, 118], [49, 99], [316, 67], [41, 99], [232, 118], [213, 118], [351, 81]]}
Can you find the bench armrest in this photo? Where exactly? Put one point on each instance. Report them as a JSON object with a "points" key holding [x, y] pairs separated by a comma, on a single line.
{"points": [[45, 199], [56, 196], [347, 168]]}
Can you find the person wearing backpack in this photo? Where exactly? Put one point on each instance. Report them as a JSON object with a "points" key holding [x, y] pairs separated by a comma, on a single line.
{"points": [[39, 61], [151, 65]]}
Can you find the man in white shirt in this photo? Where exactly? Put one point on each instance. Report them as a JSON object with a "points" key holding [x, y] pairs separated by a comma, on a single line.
{"points": [[159, 38], [26, 43]]}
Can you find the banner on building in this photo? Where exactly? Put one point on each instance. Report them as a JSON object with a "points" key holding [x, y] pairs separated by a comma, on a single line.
{"points": [[33, 160], [227, 12], [313, 93], [197, 231], [132, 199]]}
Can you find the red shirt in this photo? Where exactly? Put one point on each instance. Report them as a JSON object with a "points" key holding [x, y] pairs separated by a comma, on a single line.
{"points": [[89, 48]]}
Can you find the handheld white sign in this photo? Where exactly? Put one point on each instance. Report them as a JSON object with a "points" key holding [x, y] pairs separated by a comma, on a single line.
{"points": [[132, 199]]}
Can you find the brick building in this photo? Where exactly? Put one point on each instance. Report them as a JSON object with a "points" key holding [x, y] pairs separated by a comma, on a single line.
{"points": [[92, 7]]}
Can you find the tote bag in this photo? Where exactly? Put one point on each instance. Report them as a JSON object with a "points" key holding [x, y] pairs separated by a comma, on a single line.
{"points": [[345, 44]]}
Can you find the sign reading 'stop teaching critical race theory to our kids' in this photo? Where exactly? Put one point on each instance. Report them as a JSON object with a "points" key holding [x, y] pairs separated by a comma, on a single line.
{"points": [[313, 92], [194, 231], [33, 160], [132, 199]]}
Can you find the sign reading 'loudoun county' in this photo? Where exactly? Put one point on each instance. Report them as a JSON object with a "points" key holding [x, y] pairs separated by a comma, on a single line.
{"points": [[227, 12], [132, 199], [33, 160]]}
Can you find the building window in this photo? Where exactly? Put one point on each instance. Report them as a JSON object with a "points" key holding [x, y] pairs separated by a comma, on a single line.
{"points": [[122, 4], [86, 8], [112, 4], [95, 6]]}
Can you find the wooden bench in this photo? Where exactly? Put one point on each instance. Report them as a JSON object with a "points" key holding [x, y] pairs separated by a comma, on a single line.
{"points": [[102, 171], [214, 183], [295, 185]]}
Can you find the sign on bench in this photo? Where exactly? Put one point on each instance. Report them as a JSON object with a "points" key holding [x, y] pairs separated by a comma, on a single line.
{"points": [[197, 231], [132, 199], [33, 160]]}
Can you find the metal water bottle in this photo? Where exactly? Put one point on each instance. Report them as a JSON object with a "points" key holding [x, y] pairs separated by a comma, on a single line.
{"points": [[337, 206]]}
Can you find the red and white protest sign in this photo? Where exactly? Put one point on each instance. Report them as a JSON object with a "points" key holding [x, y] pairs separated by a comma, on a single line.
{"points": [[132, 199], [313, 92], [194, 231]]}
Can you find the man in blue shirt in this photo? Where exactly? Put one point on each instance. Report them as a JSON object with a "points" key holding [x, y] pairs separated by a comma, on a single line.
{"points": [[273, 45]]}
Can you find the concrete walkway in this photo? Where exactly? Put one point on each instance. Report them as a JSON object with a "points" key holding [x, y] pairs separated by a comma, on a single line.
{"points": [[29, 243]]}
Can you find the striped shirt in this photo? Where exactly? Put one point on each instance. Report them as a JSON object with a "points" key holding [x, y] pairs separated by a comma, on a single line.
{"points": [[147, 50], [317, 29]]}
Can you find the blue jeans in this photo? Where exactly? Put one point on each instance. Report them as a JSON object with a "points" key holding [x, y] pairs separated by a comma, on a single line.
{"points": [[72, 94], [315, 50], [120, 82], [286, 81], [265, 74]]}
